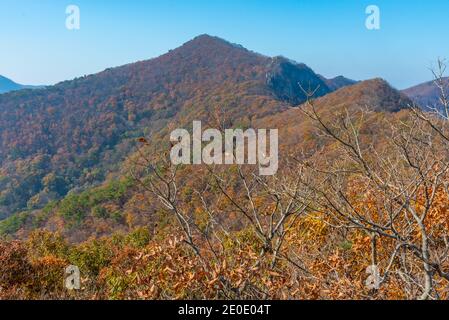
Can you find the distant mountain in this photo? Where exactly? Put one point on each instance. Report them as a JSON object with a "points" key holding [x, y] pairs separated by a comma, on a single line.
{"points": [[426, 94], [7, 85], [338, 82]]}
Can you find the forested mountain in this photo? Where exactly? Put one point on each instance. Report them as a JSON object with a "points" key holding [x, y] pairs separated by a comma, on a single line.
{"points": [[72, 135]]}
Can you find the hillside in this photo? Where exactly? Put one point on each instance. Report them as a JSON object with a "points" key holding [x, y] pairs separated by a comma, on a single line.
{"points": [[375, 96]]}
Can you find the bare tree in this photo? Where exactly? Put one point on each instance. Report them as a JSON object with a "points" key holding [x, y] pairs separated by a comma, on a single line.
{"points": [[398, 183]]}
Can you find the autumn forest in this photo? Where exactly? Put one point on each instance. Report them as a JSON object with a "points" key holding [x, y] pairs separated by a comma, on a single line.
{"points": [[359, 208]]}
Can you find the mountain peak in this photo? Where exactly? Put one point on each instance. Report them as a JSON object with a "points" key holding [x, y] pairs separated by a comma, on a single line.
{"points": [[209, 39], [212, 41]]}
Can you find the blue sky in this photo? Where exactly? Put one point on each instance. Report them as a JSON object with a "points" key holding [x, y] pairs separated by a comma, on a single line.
{"points": [[328, 35]]}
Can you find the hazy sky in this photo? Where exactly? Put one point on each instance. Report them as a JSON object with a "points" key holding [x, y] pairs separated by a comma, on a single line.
{"points": [[328, 35]]}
